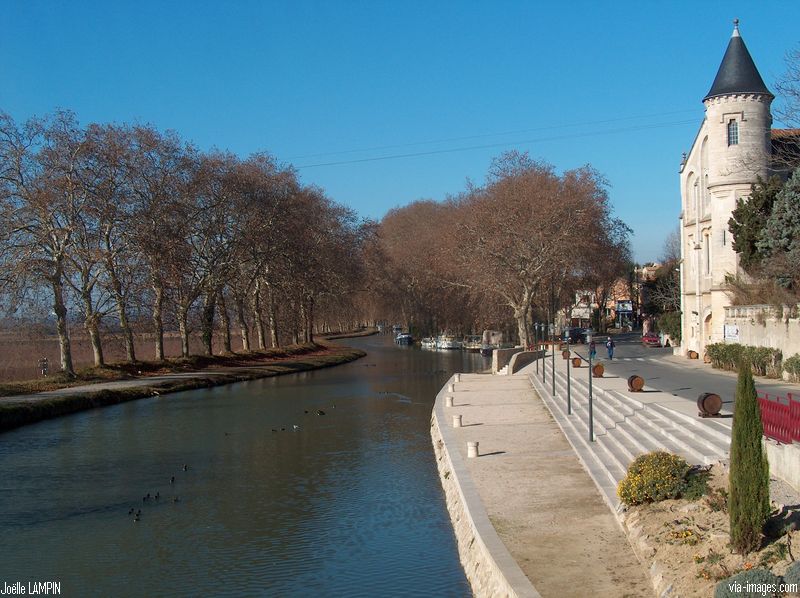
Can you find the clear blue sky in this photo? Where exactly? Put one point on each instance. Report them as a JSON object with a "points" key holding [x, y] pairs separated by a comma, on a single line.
{"points": [[614, 84]]}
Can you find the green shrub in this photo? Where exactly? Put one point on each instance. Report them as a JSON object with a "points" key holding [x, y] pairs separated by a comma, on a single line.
{"points": [[670, 323], [792, 575], [748, 488], [724, 356], [696, 484], [653, 477], [764, 361], [792, 365], [762, 584]]}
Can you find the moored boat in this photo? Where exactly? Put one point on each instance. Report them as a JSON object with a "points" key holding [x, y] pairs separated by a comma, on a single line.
{"points": [[428, 343], [447, 342], [404, 338], [472, 342]]}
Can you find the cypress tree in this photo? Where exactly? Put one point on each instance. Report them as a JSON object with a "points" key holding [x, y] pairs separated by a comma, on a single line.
{"points": [[748, 504]]}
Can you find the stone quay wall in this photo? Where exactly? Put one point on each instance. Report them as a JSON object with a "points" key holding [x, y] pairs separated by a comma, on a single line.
{"points": [[490, 569]]}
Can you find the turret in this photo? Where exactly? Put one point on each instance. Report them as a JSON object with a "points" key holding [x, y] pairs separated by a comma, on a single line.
{"points": [[738, 118]]}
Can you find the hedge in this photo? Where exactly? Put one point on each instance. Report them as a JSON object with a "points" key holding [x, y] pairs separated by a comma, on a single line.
{"points": [[792, 366], [765, 361]]}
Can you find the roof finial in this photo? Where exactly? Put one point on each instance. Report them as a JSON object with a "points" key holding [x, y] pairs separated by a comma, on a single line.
{"points": [[735, 28]]}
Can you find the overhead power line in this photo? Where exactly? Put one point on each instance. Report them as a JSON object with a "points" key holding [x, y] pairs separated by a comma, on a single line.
{"points": [[500, 144], [485, 135]]}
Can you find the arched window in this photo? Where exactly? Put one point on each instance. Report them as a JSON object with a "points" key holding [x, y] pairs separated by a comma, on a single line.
{"points": [[733, 132]]}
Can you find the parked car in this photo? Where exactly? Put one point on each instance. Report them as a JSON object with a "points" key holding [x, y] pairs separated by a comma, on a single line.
{"points": [[651, 339], [576, 335]]}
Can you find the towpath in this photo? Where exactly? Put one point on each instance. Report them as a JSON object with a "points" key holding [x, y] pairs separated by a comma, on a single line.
{"points": [[542, 503]]}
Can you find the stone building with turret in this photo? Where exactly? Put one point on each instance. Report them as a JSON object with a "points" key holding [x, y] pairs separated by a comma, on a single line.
{"points": [[733, 146]]}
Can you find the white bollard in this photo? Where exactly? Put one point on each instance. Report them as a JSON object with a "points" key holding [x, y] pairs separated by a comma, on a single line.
{"points": [[458, 377], [472, 449], [448, 401], [456, 421], [451, 388]]}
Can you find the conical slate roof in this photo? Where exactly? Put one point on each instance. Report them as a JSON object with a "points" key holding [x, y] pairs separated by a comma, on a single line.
{"points": [[738, 72]]}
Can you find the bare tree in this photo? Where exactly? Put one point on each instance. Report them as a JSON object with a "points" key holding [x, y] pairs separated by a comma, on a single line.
{"points": [[42, 200], [157, 168], [522, 228]]}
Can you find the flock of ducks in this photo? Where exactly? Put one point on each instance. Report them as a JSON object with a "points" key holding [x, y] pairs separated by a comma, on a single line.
{"points": [[295, 427], [137, 513]]}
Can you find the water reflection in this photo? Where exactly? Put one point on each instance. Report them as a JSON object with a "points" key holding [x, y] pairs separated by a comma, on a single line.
{"points": [[348, 504]]}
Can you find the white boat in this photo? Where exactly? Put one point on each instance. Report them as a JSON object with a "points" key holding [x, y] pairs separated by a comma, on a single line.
{"points": [[447, 342], [472, 342], [404, 338], [428, 342]]}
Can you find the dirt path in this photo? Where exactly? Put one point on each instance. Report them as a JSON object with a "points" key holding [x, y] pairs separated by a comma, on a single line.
{"points": [[544, 506]]}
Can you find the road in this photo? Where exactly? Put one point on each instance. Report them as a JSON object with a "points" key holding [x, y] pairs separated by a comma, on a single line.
{"points": [[676, 375]]}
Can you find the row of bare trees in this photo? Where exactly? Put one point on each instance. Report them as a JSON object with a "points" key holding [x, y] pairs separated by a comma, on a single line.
{"points": [[129, 224], [502, 254]]}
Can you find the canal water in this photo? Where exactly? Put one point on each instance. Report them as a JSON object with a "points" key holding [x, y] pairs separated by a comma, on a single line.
{"points": [[347, 504]]}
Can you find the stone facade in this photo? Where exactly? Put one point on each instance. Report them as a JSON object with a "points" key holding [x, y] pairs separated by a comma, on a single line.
{"points": [[732, 148]]}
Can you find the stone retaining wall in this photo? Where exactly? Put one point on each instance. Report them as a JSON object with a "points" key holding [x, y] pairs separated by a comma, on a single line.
{"points": [[501, 357], [490, 569], [784, 461]]}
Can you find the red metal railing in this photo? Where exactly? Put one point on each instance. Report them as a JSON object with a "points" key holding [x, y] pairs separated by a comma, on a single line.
{"points": [[780, 418]]}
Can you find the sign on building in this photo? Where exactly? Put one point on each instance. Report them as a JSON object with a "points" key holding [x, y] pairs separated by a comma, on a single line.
{"points": [[625, 307], [731, 333]]}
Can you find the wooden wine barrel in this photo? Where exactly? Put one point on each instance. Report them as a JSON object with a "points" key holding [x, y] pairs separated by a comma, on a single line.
{"points": [[576, 362], [565, 354], [635, 383], [693, 355], [597, 370], [709, 404]]}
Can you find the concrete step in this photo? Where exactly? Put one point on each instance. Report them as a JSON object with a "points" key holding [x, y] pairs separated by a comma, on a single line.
{"points": [[605, 481], [702, 441], [625, 427], [710, 428]]}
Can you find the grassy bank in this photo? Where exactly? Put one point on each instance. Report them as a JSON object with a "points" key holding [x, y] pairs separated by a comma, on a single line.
{"points": [[210, 371]]}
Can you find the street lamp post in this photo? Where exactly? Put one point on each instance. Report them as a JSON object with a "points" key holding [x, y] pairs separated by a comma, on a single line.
{"points": [[544, 357], [591, 421], [569, 386], [553, 336], [536, 343]]}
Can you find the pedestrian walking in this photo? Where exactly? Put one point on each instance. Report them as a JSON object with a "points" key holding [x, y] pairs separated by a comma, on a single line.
{"points": [[610, 348], [592, 350]]}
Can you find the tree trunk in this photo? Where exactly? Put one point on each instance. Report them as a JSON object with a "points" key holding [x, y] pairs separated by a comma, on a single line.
{"points": [[93, 329], [308, 323], [226, 323], [272, 319], [158, 318], [122, 313], [62, 328], [521, 318], [207, 322], [183, 328], [91, 319], [258, 321], [243, 324]]}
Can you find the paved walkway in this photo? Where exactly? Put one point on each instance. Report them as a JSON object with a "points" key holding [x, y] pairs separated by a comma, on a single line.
{"points": [[544, 506]]}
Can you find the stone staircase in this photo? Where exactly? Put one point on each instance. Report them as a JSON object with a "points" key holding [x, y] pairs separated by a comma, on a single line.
{"points": [[624, 428]]}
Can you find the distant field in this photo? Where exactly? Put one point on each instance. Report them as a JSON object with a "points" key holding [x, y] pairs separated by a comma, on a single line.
{"points": [[20, 351]]}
